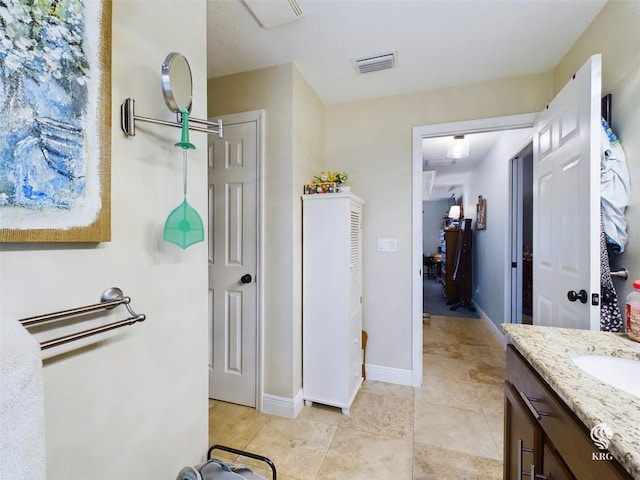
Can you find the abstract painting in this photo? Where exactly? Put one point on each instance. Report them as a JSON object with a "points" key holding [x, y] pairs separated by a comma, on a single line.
{"points": [[55, 120]]}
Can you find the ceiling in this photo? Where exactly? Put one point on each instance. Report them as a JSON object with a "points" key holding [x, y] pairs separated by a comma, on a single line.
{"points": [[439, 43], [442, 181]]}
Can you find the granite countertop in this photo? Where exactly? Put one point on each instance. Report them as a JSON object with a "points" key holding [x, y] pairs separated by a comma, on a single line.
{"points": [[550, 349]]}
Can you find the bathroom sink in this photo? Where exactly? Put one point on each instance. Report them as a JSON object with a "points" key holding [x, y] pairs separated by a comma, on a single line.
{"points": [[622, 373]]}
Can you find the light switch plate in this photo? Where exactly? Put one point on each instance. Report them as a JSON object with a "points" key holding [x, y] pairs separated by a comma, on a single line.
{"points": [[387, 245]]}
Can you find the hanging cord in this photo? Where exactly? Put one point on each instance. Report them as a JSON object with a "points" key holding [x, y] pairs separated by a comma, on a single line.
{"points": [[184, 226], [184, 172], [185, 144]]}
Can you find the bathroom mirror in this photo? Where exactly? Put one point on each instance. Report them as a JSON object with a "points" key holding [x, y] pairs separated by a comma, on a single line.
{"points": [[177, 82]]}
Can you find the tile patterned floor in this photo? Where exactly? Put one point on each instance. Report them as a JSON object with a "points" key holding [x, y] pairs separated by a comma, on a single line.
{"points": [[450, 428]]}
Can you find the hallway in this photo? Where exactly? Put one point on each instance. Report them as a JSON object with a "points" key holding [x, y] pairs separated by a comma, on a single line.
{"points": [[450, 428]]}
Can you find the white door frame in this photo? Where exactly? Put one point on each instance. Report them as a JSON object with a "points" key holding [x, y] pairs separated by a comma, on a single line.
{"points": [[515, 230], [470, 126], [259, 117]]}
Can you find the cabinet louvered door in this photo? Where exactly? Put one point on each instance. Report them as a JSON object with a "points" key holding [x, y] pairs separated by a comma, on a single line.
{"points": [[355, 261]]}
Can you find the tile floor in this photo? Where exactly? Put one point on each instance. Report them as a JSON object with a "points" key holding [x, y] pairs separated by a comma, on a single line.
{"points": [[450, 428]]}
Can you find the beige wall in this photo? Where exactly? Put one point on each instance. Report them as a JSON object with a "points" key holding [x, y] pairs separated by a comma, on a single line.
{"points": [[615, 34], [272, 90], [372, 141], [308, 160], [294, 119], [134, 406]]}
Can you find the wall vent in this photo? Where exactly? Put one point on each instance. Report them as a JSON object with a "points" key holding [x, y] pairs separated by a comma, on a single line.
{"points": [[375, 63], [441, 162], [273, 13]]}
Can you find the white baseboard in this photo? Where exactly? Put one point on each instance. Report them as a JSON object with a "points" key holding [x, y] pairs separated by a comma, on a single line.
{"points": [[291, 407], [282, 406], [492, 326], [389, 375]]}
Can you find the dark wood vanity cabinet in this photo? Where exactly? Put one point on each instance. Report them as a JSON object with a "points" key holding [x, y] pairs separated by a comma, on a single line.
{"points": [[543, 439], [553, 466], [522, 435]]}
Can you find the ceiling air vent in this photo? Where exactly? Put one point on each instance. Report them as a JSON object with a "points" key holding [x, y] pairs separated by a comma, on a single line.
{"points": [[273, 13], [375, 63], [441, 162]]}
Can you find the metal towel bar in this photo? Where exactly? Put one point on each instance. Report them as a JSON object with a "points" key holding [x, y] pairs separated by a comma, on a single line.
{"points": [[111, 298]]}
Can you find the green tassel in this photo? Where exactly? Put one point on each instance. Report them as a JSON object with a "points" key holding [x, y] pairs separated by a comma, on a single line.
{"points": [[184, 141]]}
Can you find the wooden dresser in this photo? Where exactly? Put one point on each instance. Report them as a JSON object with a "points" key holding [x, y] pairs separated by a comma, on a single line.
{"points": [[448, 243]]}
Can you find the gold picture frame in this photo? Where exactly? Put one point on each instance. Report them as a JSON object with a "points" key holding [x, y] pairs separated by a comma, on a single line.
{"points": [[55, 125], [481, 219]]}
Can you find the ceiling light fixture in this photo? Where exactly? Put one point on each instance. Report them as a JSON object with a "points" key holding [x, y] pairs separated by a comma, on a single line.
{"points": [[458, 148]]}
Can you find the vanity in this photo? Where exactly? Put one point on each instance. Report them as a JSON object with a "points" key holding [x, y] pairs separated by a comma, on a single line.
{"points": [[552, 405]]}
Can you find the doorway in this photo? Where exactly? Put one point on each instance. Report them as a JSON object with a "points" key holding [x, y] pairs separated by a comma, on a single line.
{"points": [[235, 260], [521, 201], [418, 134]]}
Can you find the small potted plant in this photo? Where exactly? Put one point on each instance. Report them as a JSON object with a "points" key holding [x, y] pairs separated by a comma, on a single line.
{"points": [[328, 182]]}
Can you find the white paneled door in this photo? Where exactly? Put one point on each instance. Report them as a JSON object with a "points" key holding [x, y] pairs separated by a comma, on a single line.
{"points": [[566, 198], [233, 260]]}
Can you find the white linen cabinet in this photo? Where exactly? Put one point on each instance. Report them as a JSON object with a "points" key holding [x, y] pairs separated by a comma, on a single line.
{"points": [[331, 298]]}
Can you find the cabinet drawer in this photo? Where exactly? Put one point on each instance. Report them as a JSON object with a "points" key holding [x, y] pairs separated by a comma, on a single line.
{"points": [[562, 428]]}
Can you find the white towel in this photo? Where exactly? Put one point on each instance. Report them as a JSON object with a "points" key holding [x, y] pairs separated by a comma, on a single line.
{"points": [[22, 440]]}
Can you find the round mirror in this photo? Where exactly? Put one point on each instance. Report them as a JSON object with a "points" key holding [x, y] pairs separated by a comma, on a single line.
{"points": [[176, 82]]}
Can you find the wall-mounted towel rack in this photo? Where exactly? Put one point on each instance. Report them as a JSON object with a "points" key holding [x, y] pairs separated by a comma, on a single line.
{"points": [[128, 118], [622, 273], [111, 298]]}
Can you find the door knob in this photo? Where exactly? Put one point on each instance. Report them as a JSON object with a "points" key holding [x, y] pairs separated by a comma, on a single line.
{"points": [[246, 278], [581, 295]]}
